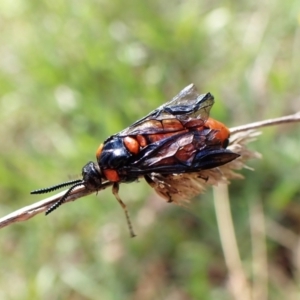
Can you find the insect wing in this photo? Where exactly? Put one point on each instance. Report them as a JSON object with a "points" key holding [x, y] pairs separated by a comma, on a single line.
{"points": [[181, 188], [171, 116], [181, 153], [189, 104]]}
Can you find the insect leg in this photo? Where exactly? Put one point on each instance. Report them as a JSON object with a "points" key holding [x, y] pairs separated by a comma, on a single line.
{"points": [[115, 190], [156, 183]]}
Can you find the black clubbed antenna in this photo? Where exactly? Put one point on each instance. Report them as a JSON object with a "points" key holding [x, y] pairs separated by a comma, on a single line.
{"points": [[91, 180], [64, 197], [74, 184], [56, 187]]}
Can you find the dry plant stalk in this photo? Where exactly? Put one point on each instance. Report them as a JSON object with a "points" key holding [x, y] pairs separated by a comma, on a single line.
{"points": [[240, 137], [237, 282]]}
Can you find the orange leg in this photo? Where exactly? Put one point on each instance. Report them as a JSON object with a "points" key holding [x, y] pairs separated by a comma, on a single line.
{"points": [[115, 190]]}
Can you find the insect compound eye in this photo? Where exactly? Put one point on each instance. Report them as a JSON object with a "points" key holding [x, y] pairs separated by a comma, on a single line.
{"points": [[91, 175]]}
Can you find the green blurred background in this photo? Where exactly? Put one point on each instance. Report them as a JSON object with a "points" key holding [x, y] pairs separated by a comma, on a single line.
{"points": [[74, 72]]}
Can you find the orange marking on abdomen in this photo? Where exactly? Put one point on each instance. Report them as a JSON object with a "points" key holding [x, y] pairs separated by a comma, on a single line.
{"points": [[223, 133], [131, 144], [194, 123], [172, 125], [111, 175], [142, 140], [186, 153], [159, 136]]}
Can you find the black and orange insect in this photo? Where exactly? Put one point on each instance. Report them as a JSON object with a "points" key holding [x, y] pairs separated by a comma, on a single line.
{"points": [[179, 137]]}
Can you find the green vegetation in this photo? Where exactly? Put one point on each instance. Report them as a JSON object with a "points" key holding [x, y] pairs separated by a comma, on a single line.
{"points": [[72, 73]]}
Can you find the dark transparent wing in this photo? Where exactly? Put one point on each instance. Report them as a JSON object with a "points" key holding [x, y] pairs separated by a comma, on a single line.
{"points": [[180, 188], [187, 105], [181, 153]]}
